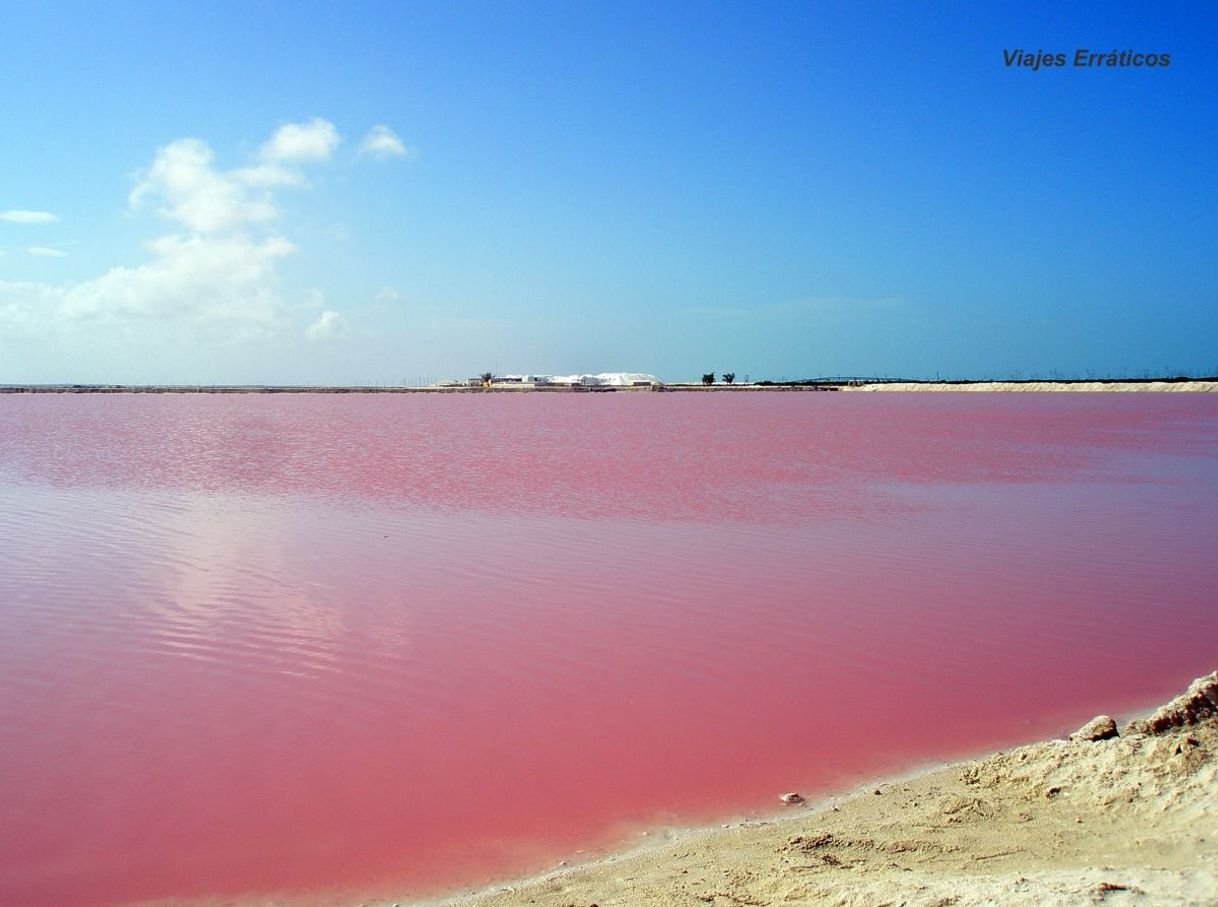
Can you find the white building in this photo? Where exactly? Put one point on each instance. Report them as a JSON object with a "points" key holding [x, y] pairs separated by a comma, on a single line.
{"points": [[604, 379], [627, 379]]}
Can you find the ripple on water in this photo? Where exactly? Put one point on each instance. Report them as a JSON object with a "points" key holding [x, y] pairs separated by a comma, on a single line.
{"points": [[255, 643]]}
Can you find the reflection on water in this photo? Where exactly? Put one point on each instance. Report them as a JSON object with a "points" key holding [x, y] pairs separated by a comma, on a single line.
{"points": [[399, 643]]}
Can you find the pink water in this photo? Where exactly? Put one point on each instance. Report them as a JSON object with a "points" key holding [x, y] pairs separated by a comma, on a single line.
{"points": [[397, 644]]}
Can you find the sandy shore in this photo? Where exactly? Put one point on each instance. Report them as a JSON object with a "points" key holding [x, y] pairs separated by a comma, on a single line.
{"points": [[1132, 818], [1047, 386]]}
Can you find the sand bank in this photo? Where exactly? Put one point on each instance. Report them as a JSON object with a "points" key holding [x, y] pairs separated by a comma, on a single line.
{"points": [[1128, 819], [1046, 386]]}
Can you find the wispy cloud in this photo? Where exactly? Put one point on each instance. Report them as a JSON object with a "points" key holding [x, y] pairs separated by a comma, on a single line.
{"points": [[328, 326], [382, 142], [45, 252], [388, 294], [24, 307], [18, 216]]}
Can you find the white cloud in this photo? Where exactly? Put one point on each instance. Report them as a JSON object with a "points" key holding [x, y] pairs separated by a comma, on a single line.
{"points": [[224, 283], [45, 252], [24, 307], [382, 142], [214, 276], [215, 287], [313, 141], [195, 194], [267, 176], [329, 325], [188, 188], [17, 216], [388, 294], [218, 277]]}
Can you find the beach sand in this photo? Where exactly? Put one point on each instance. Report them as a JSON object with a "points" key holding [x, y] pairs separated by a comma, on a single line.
{"points": [[1047, 386], [1128, 819]]}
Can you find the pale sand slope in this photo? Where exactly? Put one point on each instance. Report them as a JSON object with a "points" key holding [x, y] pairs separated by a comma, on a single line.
{"points": [[1041, 386], [1131, 819]]}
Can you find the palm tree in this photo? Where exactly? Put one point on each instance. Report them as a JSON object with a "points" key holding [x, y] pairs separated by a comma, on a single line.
{"points": [[729, 377], [708, 379]]}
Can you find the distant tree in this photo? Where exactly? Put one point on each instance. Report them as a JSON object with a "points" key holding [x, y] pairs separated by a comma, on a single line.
{"points": [[729, 377], [708, 379], [487, 377]]}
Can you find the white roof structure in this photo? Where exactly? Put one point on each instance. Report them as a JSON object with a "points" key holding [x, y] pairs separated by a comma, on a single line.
{"points": [[604, 379], [626, 379]]}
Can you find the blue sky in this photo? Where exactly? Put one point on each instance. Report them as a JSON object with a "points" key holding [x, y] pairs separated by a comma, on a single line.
{"points": [[367, 192]]}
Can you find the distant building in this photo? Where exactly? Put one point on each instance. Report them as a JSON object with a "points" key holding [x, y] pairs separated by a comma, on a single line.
{"points": [[604, 379], [628, 379]]}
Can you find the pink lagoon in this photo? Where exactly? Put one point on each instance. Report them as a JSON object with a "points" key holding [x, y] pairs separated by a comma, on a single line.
{"points": [[319, 647]]}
